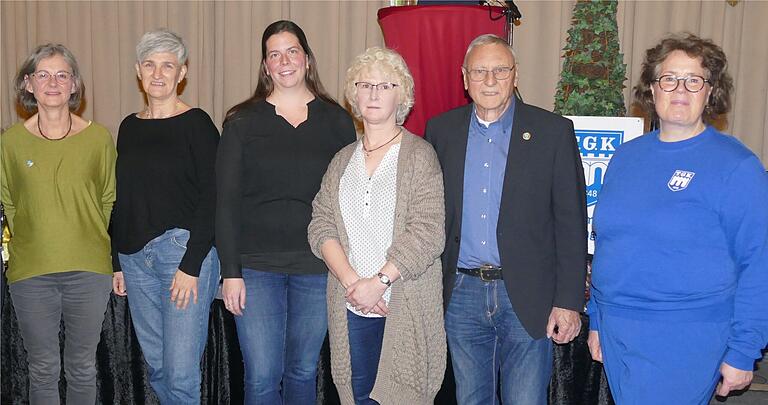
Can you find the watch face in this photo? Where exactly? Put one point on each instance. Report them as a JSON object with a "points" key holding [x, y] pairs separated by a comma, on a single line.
{"points": [[384, 278]]}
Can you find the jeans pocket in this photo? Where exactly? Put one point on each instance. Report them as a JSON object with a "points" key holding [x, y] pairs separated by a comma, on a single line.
{"points": [[459, 279], [180, 237]]}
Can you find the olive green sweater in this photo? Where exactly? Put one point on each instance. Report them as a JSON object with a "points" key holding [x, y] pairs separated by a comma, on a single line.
{"points": [[58, 197], [414, 350]]}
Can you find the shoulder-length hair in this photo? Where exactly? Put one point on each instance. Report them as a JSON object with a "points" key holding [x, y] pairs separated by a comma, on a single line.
{"points": [[265, 86], [26, 99], [712, 60]]}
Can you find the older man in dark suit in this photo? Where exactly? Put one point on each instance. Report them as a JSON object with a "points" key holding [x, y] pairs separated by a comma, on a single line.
{"points": [[515, 255]]}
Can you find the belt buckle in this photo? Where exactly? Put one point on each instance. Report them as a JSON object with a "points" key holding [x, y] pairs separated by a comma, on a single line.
{"points": [[483, 269]]}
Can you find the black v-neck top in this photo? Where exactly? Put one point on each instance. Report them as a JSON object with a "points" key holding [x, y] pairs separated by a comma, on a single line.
{"points": [[165, 180], [267, 174]]}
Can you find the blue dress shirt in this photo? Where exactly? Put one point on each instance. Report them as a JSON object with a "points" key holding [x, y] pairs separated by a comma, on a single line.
{"points": [[484, 167]]}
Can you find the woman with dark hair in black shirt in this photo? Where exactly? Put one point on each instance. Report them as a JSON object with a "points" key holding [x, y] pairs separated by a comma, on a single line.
{"points": [[274, 151], [162, 230]]}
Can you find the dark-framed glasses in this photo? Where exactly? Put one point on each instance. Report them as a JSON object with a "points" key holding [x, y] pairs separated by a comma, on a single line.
{"points": [[692, 83], [62, 76], [499, 73], [365, 87]]}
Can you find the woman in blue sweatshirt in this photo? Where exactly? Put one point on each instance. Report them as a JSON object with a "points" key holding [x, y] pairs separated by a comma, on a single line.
{"points": [[680, 276]]}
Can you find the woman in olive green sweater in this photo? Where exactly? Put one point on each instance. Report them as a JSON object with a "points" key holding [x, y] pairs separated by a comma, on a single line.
{"points": [[58, 186]]}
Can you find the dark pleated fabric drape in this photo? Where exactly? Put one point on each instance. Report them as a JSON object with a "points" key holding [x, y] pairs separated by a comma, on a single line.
{"points": [[122, 376]]}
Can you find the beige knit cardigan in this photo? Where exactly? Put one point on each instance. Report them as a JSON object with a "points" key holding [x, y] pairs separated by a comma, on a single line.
{"points": [[413, 354]]}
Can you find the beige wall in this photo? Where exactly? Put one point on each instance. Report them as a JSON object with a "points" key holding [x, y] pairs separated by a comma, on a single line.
{"points": [[224, 41]]}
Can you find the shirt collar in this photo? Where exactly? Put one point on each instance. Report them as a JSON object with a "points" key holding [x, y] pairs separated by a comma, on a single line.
{"points": [[505, 121]]}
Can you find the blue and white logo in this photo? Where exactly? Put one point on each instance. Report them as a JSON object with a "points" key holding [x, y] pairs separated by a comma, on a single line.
{"points": [[680, 180], [597, 147]]}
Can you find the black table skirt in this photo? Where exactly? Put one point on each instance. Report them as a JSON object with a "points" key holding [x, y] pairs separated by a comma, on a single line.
{"points": [[122, 376]]}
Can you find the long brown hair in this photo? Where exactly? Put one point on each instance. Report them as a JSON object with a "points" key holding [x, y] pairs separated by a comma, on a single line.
{"points": [[265, 85]]}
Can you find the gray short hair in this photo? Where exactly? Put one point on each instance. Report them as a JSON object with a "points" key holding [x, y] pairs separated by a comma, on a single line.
{"points": [[391, 64], [488, 39], [161, 40], [26, 99]]}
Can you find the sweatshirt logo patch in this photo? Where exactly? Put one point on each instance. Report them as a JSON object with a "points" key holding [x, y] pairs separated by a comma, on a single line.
{"points": [[680, 180]]}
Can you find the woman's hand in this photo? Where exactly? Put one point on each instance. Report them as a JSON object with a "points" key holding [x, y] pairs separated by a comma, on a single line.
{"points": [[118, 284], [734, 379], [233, 292], [182, 288], [593, 341], [381, 308], [365, 294]]}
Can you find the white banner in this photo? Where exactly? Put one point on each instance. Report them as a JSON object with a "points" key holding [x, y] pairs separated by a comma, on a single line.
{"points": [[598, 138]]}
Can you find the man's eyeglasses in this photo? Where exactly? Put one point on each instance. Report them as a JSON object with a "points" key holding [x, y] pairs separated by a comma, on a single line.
{"points": [[499, 73], [692, 83], [62, 77]]}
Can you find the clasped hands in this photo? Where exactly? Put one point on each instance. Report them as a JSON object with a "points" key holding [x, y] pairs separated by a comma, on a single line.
{"points": [[365, 294]]}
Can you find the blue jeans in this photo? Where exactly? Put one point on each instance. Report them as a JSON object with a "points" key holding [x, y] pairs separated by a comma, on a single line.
{"points": [[171, 339], [281, 332], [365, 338], [486, 341]]}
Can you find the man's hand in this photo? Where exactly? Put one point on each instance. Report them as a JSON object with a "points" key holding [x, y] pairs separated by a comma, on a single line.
{"points": [[564, 325], [593, 341], [734, 379]]}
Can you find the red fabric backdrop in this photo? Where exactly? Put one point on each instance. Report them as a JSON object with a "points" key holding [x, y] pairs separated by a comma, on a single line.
{"points": [[433, 40]]}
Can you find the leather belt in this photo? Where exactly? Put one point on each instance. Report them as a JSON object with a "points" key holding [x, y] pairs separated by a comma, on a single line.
{"points": [[486, 272]]}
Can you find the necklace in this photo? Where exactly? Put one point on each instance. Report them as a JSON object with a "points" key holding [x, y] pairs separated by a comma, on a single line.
{"points": [[54, 139], [368, 151], [148, 112]]}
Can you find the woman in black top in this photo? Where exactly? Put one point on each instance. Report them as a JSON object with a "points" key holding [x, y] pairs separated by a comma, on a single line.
{"points": [[274, 150], [163, 224]]}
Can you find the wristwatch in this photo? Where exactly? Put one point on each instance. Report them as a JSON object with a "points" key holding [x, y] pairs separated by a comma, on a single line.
{"points": [[384, 279]]}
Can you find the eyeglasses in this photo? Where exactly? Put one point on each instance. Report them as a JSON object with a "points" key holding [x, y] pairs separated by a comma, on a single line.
{"points": [[365, 87], [692, 83], [62, 77], [499, 73]]}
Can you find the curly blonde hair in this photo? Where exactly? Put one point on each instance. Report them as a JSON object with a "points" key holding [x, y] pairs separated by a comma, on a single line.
{"points": [[393, 66]]}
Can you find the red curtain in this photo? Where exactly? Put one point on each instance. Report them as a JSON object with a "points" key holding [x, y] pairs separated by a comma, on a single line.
{"points": [[433, 40]]}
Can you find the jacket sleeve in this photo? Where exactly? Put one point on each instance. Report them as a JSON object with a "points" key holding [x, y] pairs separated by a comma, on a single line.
{"points": [[323, 226], [423, 239], [569, 211], [745, 222], [229, 199]]}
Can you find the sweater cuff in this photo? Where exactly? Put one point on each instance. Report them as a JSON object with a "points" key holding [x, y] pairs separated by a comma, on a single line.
{"points": [[231, 271], [191, 262], [738, 360], [594, 324]]}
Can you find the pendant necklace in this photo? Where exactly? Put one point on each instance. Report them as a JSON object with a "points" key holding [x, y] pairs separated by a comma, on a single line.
{"points": [[368, 151]]}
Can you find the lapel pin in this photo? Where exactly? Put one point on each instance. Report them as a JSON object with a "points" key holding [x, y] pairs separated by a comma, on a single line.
{"points": [[526, 136], [30, 163]]}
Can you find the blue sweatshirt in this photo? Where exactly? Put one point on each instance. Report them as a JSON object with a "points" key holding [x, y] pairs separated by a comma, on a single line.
{"points": [[682, 234]]}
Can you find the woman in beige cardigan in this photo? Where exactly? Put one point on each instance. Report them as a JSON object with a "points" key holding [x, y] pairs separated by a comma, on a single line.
{"points": [[378, 223]]}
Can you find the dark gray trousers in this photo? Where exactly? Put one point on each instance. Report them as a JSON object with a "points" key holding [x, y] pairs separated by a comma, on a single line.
{"points": [[80, 297]]}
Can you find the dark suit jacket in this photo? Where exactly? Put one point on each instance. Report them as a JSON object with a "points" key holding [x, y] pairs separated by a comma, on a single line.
{"points": [[542, 221]]}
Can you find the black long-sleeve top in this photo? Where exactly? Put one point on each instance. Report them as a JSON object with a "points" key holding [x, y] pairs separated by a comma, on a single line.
{"points": [[267, 174], [165, 180]]}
